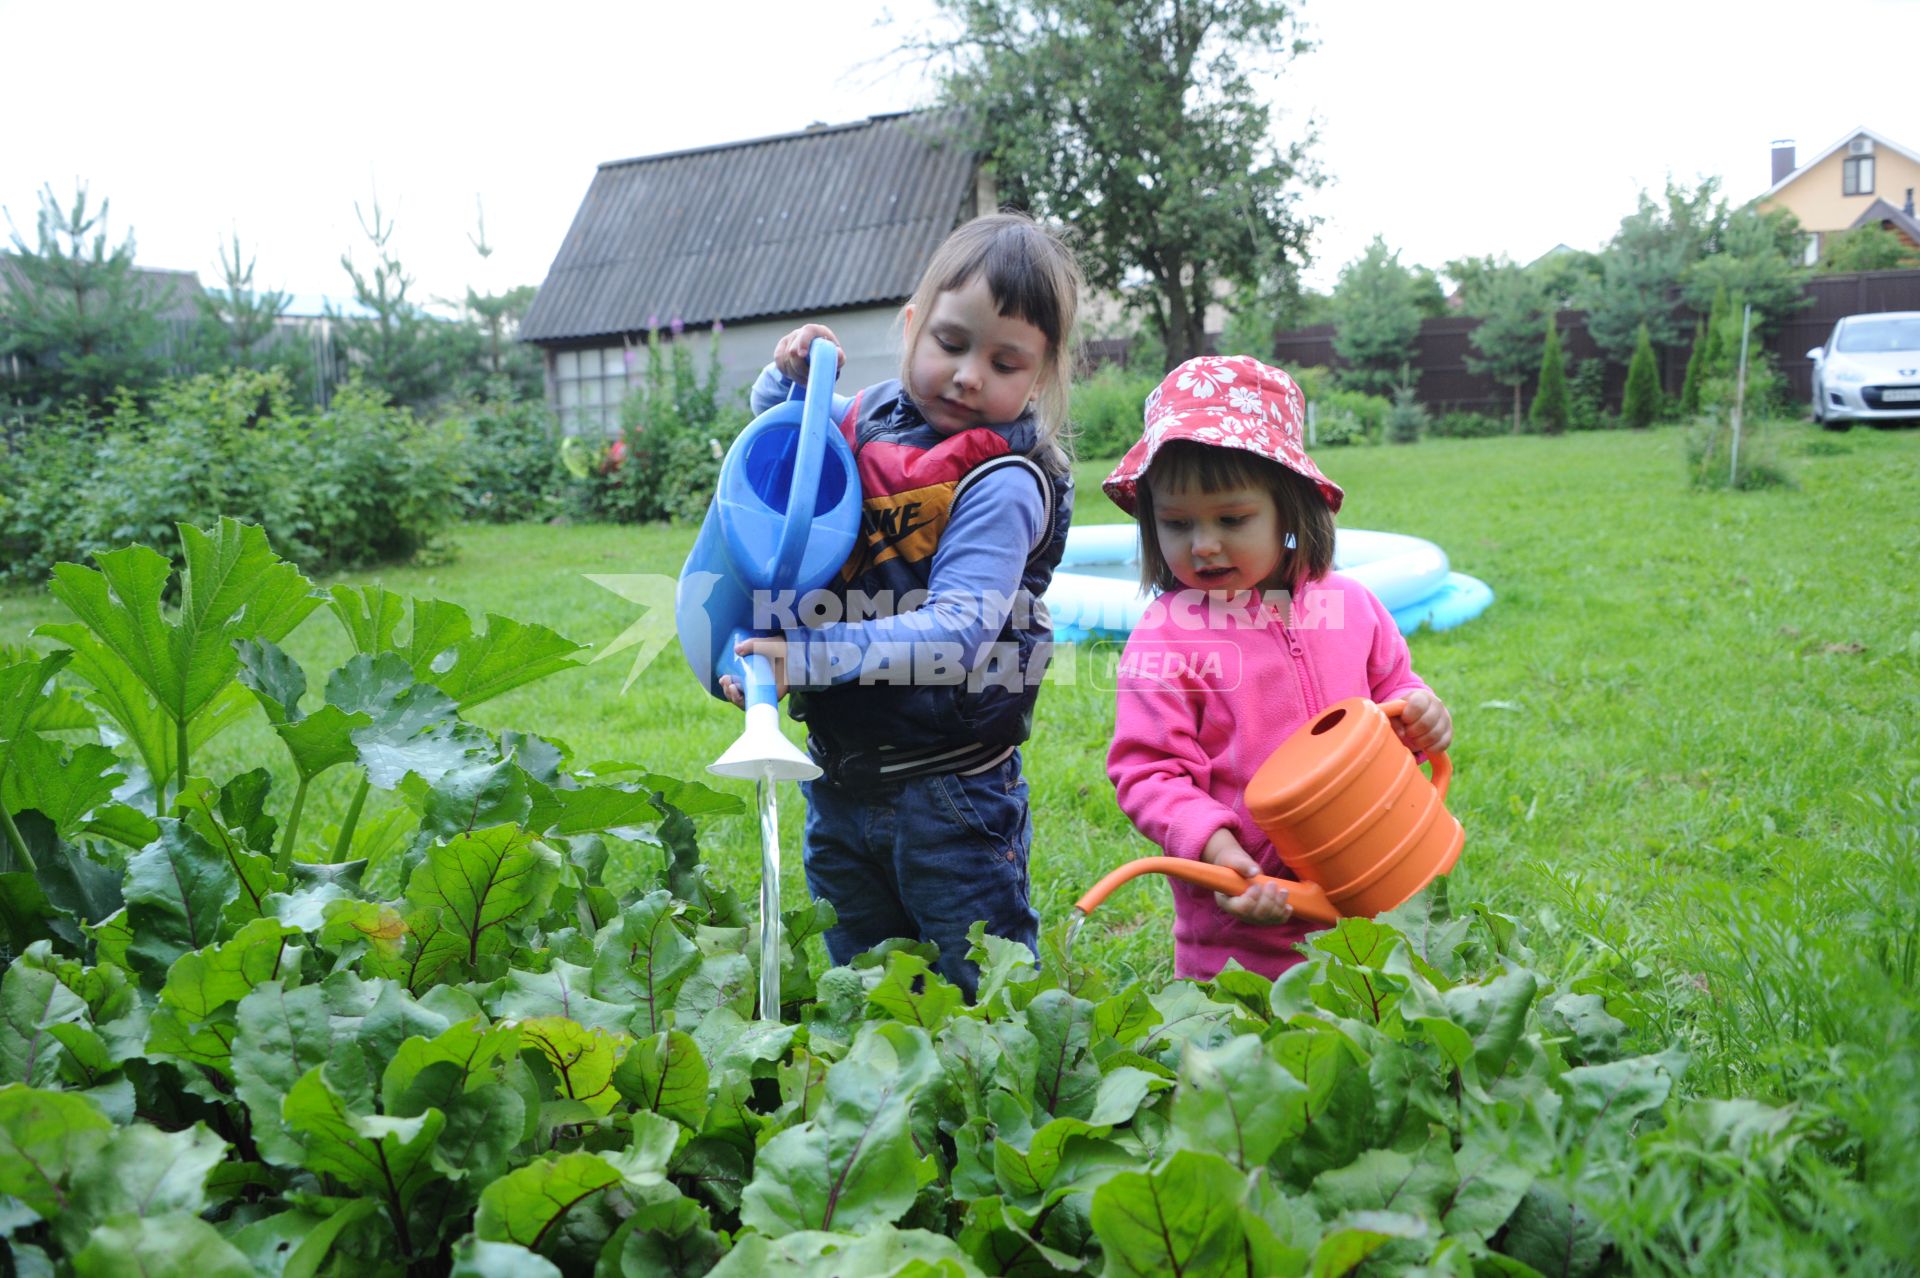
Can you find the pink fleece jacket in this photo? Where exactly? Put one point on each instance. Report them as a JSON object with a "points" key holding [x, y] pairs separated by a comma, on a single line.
{"points": [[1206, 690]]}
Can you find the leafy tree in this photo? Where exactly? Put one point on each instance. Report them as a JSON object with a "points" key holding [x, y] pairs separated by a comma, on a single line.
{"points": [[1866, 248], [1646, 262], [1470, 276], [1640, 403], [1145, 126], [1509, 301], [1690, 389], [1563, 273], [1559, 274], [1256, 312], [1756, 259], [1550, 401], [395, 347], [1377, 315], [1429, 295], [75, 313]]}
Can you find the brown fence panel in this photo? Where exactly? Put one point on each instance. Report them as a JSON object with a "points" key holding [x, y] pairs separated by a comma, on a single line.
{"points": [[1445, 384]]}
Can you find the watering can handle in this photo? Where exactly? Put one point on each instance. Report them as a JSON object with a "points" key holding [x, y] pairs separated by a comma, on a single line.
{"points": [[816, 418], [1309, 900], [1442, 765]]}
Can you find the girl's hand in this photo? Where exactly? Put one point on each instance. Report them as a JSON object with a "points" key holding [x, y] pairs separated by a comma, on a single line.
{"points": [[1261, 903], [1425, 725], [774, 649], [790, 352]]}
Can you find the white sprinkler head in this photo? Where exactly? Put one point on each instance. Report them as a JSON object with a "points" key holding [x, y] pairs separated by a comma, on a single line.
{"points": [[762, 752]]}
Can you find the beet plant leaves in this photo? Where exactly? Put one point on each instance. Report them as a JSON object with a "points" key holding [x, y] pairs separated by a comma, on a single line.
{"points": [[498, 1018]]}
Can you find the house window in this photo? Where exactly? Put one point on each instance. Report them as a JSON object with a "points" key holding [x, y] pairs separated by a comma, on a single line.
{"points": [[1856, 175], [1810, 248], [589, 387]]}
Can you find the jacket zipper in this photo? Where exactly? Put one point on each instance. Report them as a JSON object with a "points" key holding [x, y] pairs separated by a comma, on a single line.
{"points": [[1302, 670]]}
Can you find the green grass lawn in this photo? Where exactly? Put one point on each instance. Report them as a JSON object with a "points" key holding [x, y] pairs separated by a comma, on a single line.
{"points": [[1674, 705]]}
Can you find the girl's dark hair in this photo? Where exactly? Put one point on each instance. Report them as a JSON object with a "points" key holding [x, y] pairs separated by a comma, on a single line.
{"points": [[1032, 276], [1186, 463]]}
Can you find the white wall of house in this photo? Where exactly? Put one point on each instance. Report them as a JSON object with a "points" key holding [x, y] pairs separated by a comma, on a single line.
{"points": [[587, 387]]}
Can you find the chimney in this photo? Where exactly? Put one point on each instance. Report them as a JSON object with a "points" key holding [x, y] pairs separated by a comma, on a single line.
{"points": [[1782, 158]]}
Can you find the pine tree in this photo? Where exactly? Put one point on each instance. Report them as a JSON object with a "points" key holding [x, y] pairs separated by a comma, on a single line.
{"points": [[244, 317], [1640, 404], [1690, 389], [394, 344], [1550, 400], [75, 313]]}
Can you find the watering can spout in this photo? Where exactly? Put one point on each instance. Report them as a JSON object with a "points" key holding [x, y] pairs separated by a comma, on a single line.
{"points": [[762, 752]]}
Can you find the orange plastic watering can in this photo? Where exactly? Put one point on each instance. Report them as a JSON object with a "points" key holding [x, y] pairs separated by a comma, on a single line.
{"points": [[1349, 813]]}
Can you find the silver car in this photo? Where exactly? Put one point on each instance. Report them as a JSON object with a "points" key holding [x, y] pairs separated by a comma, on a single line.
{"points": [[1869, 370]]}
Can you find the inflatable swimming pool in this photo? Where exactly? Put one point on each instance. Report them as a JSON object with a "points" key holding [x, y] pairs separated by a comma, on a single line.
{"points": [[1096, 590]]}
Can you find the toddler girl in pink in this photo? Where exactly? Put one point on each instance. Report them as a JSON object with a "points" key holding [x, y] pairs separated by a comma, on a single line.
{"points": [[1251, 635]]}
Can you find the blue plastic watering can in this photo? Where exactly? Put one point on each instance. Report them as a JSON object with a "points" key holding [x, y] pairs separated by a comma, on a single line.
{"points": [[784, 519]]}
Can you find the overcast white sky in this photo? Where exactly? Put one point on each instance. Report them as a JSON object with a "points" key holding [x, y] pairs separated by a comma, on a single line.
{"points": [[1483, 126]]}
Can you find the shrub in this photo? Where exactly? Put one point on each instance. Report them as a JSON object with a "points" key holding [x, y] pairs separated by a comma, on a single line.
{"points": [[1466, 425], [1550, 401], [1349, 417], [1407, 418], [1340, 416], [513, 460], [1106, 410], [379, 485], [674, 428], [1709, 453], [1640, 403], [1690, 389], [1316, 381], [359, 483], [1766, 392], [40, 469], [1586, 396]]}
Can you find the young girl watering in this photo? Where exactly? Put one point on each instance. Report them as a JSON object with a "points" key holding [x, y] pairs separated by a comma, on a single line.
{"points": [[917, 677], [1252, 635]]}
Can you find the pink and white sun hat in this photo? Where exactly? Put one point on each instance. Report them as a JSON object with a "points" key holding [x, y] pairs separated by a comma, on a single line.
{"points": [[1231, 401]]}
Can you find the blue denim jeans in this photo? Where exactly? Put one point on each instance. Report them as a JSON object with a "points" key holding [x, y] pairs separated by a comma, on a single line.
{"points": [[924, 858]]}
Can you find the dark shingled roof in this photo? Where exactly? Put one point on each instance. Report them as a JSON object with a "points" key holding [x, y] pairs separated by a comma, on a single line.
{"points": [[1899, 220], [803, 223]]}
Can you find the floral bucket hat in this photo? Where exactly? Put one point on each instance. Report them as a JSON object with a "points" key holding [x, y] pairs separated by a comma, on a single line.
{"points": [[1232, 401]]}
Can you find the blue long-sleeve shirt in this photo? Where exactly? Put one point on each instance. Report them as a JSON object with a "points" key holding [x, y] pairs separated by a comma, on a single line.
{"points": [[991, 533]]}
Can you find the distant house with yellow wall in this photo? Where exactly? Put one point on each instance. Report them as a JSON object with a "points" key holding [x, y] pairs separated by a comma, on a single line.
{"points": [[1863, 179]]}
